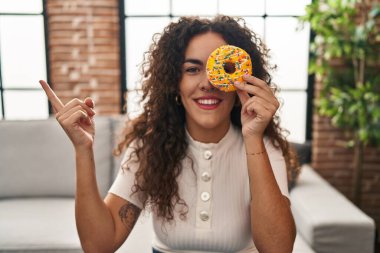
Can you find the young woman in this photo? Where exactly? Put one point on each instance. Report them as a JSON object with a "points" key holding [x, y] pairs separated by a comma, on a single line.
{"points": [[211, 166]]}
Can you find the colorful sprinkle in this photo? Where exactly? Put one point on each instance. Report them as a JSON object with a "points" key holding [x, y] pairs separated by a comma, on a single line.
{"points": [[215, 70]]}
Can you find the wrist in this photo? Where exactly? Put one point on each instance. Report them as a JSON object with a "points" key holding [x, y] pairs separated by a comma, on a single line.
{"points": [[254, 145], [83, 149], [253, 138]]}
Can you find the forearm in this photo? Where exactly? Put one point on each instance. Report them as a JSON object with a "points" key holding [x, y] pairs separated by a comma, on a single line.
{"points": [[94, 221], [272, 223]]}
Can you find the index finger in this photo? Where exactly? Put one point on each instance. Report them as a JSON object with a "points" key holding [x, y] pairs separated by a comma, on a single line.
{"points": [[54, 100], [243, 96], [258, 82]]}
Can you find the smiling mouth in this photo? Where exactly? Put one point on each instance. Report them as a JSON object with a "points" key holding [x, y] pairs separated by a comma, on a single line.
{"points": [[208, 101]]}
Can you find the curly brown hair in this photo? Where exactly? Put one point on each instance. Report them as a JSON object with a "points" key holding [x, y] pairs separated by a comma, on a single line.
{"points": [[160, 129]]}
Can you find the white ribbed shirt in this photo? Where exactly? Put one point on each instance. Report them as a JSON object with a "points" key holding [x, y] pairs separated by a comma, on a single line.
{"points": [[217, 195]]}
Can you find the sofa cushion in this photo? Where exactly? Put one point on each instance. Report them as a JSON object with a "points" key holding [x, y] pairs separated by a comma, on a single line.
{"points": [[303, 151], [326, 219], [48, 225], [37, 158], [38, 225], [300, 246]]}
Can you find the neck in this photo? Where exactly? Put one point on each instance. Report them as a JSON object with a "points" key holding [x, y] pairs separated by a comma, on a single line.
{"points": [[208, 135]]}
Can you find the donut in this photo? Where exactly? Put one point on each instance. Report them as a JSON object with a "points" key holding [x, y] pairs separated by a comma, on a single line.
{"points": [[228, 64]]}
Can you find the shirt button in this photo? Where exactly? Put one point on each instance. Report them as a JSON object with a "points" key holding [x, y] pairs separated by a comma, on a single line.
{"points": [[205, 177], [205, 196], [207, 155], [204, 215]]}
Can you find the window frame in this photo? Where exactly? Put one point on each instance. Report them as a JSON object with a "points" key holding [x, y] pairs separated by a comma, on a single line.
{"points": [[2, 89]]}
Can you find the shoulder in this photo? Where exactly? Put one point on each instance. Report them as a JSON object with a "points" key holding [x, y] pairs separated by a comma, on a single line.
{"points": [[130, 159]]}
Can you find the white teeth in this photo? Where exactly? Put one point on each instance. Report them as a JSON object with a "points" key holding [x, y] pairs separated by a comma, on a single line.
{"points": [[208, 101]]}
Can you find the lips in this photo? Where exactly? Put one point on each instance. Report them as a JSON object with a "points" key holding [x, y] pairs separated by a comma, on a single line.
{"points": [[208, 103]]}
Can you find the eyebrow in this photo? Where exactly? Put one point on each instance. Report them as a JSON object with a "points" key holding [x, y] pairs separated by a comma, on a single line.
{"points": [[194, 61]]}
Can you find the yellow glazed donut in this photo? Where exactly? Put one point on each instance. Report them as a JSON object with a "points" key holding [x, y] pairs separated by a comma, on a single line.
{"points": [[228, 64]]}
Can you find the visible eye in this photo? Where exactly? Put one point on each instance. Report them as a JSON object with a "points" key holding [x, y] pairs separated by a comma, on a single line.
{"points": [[192, 70]]}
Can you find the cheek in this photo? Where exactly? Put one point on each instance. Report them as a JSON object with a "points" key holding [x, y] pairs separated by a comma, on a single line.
{"points": [[187, 86], [231, 100], [183, 85], [182, 89], [184, 94]]}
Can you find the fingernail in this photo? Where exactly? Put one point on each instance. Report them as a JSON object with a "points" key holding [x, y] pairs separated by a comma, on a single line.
{"points": [[245, 76], [237, 83]]}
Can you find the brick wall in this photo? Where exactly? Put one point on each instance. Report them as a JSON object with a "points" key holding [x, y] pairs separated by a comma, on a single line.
{"points": [[335, 163], [84, 51]]}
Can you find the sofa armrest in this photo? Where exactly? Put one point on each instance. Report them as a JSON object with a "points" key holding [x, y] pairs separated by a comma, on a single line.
{"points": [[326, 219]]}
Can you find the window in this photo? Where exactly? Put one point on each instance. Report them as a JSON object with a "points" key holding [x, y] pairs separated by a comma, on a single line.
{"points": [[22, 60], [274, 20]]}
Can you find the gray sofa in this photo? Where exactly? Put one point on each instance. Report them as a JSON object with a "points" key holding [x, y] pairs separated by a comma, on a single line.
{"points": [[37, 188]]}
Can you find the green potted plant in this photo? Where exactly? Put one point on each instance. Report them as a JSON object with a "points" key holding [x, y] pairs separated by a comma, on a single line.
{"points": [[345, 58]]}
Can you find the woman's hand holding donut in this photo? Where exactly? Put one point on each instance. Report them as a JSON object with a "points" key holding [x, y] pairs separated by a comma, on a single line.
{"points": [[76, 117], [257, 111]]}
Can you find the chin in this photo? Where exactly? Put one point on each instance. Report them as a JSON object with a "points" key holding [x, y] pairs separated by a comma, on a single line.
{"points": [[209, 123]]}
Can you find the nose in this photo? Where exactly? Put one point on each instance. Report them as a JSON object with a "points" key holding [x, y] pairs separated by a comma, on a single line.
{"points": [[206, 86]]}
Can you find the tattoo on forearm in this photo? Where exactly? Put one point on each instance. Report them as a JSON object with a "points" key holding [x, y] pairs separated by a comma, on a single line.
{"points": [[128, 215]]}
